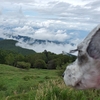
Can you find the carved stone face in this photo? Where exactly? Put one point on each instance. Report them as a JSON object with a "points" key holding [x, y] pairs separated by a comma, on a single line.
{"points": [[84, 73]]}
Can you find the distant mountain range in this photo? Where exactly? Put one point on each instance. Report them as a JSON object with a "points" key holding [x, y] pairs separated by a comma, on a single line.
{"points": [[32, 41], [17, 42], [1, 39]]}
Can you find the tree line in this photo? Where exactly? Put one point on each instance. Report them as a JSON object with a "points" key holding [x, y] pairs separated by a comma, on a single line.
{"points": [[44, 60]]}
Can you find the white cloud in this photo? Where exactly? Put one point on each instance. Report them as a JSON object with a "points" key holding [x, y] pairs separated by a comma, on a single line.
{"points": [[46, 34], [69, 11], [49, 19], [48, 46], [25, 30], [17, 1]]}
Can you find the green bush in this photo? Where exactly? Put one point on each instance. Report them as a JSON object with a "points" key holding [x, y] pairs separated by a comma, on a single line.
{"points": [[40, 64], [23, 65]]}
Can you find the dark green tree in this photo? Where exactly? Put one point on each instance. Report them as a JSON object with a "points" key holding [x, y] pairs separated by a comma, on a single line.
{"points": [[52, 64], [18, 57], [2, 57], [9, 59], [32, 58], [40, 64]]}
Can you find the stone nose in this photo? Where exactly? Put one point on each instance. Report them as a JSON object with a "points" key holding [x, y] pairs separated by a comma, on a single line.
{"points": [[63, 74]]}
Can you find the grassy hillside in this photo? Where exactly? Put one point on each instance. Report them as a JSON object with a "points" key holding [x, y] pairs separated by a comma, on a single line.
{"points": [[14, 81], [10, 45], [36, 84]]}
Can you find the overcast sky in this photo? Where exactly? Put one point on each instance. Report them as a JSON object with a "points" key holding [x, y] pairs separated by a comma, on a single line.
{"points": [[49, 19]]}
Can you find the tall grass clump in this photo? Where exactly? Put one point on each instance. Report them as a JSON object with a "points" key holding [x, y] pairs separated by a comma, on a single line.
{"points": [[56, 90]]}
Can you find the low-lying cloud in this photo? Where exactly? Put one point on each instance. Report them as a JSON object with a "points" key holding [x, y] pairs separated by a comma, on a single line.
{"points": [[52, 47], [54, 20]]}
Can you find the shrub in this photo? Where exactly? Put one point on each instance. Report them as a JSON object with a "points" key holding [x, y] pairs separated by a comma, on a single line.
{"points": [[40, 64], [23, 65]]}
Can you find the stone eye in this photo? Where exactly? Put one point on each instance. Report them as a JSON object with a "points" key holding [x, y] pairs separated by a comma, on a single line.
{"points": [[79, 51], [82, 59]]}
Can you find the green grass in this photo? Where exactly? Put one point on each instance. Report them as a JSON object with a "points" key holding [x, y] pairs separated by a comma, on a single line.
{"points": [[35, 84], [16, 81]]}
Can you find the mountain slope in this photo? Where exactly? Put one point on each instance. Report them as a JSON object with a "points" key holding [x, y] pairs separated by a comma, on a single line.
{"points": [[39, 45], [10, 45]]}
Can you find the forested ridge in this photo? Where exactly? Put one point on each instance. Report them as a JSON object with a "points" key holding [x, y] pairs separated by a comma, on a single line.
{"points": [[10, 45], [24, 58], [44, 60]]}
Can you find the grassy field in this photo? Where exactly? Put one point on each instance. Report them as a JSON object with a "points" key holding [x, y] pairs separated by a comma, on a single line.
{"points": [[14, 81], [36, 84]]}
